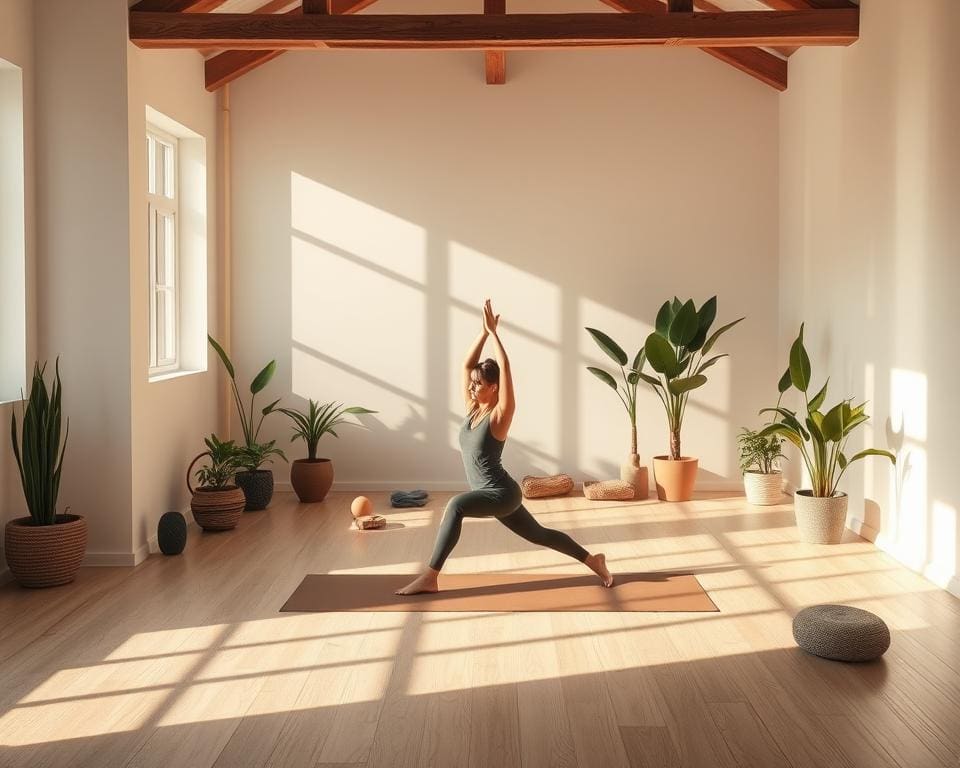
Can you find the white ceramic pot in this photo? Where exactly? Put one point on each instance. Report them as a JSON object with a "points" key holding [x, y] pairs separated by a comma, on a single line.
{"points": [[763, 489], [820, 520]]}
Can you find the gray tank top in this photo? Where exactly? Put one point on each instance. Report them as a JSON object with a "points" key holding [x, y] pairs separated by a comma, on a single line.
{"points": [[481, 453]]}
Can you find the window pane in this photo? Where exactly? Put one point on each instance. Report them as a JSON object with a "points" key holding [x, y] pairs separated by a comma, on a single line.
{"points": [[170, 327], [169, 276], [168, 171]]}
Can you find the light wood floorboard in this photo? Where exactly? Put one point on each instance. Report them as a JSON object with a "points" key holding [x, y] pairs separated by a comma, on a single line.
{"points": [[188, 661]]}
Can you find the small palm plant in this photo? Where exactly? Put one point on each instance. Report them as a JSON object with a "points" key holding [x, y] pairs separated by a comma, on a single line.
{"points": [[38, 449], [628, 393], [319, 420]]}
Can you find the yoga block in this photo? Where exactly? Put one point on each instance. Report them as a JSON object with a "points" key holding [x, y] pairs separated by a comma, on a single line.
{"points": [[369, 522]]}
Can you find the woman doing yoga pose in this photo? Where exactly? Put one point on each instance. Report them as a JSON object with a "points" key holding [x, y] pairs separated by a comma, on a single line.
{"points": [[488, 396]]}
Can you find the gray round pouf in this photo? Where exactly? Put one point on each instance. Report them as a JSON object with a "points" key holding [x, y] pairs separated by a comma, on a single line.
{"points": [[841, 632]]}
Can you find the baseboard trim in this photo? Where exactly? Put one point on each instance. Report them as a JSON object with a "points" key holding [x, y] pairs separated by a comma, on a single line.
{"points": [[863, 530]]}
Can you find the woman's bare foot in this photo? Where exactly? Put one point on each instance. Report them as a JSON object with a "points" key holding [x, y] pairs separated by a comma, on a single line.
{"points": [[598, 564], [425, 582]]}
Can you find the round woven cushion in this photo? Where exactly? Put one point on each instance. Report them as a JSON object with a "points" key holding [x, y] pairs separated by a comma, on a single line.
{"points": [[841, 632], [552, 485], [609, 490]]}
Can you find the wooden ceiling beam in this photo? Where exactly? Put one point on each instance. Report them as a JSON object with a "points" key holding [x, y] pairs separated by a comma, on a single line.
{"points": [[177, 6], [679, 6], [494, 61], [228, 66], [806, 5], [482, 31]]}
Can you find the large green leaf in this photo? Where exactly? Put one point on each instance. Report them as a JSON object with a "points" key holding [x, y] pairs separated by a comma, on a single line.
{"points": [[705, 317], [819, 398], [679, 386], [799, 364], [832, 426], [223, 355], [684, 326], [784, 384], [608, 345], [716, 335], [660, 354], [664, 318], [268, 409], [639, 360], [789, 418], [784, 431], [872, 452], [263, 378], [358, 409], [603, 376]]}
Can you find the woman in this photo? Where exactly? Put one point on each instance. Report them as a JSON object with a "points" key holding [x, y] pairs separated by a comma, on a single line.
{"points": [[488, 396]]}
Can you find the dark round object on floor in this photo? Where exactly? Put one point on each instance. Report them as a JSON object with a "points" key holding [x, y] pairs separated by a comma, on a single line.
{"points": [[841, 633], [172, 533], [257, 486]]}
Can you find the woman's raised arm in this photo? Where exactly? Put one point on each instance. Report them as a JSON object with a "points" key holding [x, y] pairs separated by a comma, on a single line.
{"points": [[502, 415]]}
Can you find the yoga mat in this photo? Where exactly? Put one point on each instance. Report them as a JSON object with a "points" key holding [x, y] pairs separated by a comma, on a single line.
{"points": [[502, 592]]}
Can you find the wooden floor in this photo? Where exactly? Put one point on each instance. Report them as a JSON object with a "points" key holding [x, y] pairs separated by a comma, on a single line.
{"points": [[185, 661]]}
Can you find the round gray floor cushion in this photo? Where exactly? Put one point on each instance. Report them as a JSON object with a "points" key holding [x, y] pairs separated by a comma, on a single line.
{"points": [[841, 632]]}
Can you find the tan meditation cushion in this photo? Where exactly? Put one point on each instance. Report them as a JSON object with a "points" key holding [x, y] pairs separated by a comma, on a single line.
{"points": [[609, 490], [540, 487]]}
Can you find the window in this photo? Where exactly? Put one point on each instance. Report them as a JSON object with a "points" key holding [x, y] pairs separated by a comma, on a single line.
{"points": [[163, 212], [13, 281]]}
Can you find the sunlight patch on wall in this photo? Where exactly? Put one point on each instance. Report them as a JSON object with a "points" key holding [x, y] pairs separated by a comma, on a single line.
{"points": [[366, 325], [358, 228], [909, 526]]}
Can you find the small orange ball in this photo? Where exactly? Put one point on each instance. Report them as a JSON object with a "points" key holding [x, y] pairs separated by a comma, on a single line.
{"points": [[361, 507]]}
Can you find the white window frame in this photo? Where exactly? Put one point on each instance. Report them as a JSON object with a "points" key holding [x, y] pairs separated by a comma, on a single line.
{"points": [[161, 205]]}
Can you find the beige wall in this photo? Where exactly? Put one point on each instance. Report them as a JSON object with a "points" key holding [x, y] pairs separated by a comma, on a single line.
{"points": [[171, 417], [870, 183], [17, 47], [381, 196]]}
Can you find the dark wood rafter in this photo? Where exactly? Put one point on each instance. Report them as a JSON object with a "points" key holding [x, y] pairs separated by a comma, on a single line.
{"points": [[760, 64], [228, 66], [679, 6], [495, 62], [805, 5], [482, 31], [177, 6]]}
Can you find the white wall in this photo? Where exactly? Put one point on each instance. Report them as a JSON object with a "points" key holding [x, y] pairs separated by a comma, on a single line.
{"points": [[870, 183], [379, 197], [16, 47], [171, 417]]}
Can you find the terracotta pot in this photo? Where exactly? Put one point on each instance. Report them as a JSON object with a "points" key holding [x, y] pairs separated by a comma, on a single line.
{"points": [[763, 489], [631, 472], [45, 555], [311, 479], [675, 478], [820, 519], [215, 509]]}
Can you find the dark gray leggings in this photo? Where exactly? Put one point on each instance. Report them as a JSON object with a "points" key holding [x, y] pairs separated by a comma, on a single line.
{"points": [[505, 505]]}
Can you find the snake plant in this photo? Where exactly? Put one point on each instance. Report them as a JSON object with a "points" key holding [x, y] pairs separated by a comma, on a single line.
{"points": [[38, 449], [821, 437]]}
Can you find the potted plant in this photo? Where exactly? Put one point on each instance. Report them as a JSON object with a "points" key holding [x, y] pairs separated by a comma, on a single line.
{"points": [[677, 351], [630, 471], [44, 549], [257, 483], [217, 503], [821, 437], [312, 477], [759, 460]]}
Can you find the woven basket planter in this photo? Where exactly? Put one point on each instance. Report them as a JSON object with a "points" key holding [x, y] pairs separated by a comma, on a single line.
{"points": [[215, 509], [311, 479], [541, 487], [45, 555], [763, 489], [820, 520], [609, 490], [257, 487]]}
